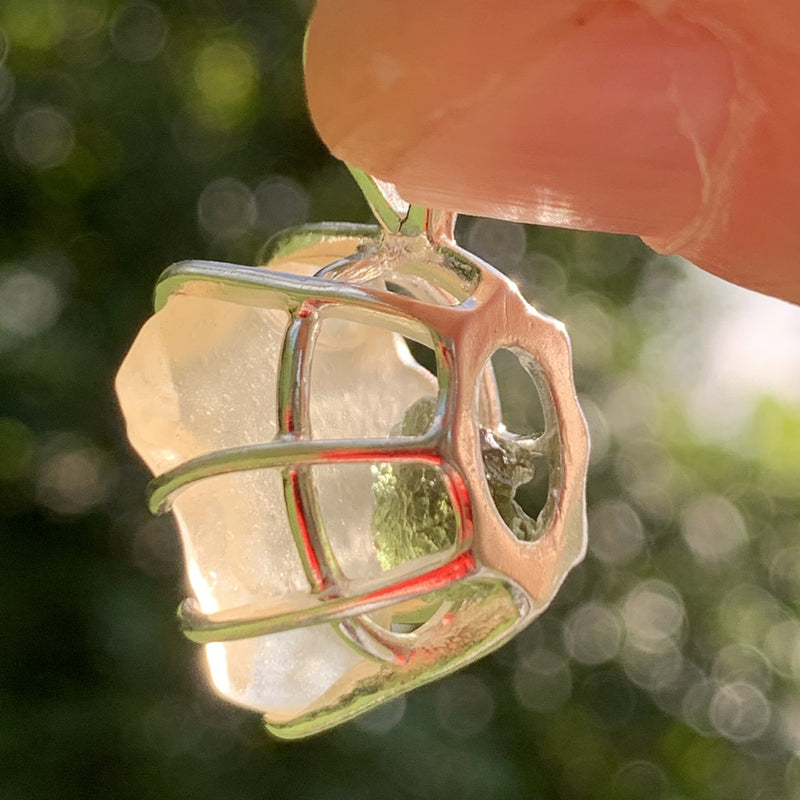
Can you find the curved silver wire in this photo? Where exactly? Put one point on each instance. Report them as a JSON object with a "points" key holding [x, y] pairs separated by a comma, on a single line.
{"points": [[294, 423], [315, 609], [301, 500], [294, 452], [163, 488]]}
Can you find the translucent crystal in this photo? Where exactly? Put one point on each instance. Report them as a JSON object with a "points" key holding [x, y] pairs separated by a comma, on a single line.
{"points": [[201, 376], [413, 513]]}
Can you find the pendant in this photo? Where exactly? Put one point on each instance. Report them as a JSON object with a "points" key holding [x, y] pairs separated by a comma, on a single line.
{"points": [[347, 515]]}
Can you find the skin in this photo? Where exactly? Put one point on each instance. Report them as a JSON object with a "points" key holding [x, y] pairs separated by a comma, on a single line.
{"points": [[675, 120]]}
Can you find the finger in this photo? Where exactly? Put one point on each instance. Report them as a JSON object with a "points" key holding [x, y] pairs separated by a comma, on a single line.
{"points": [[678, 121]]}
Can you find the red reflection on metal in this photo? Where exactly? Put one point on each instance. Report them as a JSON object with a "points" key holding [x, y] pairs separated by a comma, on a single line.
{"points": [[457, 569], [309, 551], [424, 454], [459, 496]]}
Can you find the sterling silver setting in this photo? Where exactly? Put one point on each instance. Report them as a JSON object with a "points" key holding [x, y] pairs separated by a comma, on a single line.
{"points": [[407, 276]]}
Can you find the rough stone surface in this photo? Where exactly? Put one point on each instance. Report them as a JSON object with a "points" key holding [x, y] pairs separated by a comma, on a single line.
{"points": [[202, 376]]}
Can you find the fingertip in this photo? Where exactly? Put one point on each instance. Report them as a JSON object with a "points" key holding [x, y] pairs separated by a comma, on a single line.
{"points": [[608, 119], [602, 116]]}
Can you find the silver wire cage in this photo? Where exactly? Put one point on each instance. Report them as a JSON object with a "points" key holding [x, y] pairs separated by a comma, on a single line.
{"points": [[411, 279]]}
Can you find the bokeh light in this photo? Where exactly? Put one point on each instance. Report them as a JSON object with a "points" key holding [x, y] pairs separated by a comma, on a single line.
{"points": [[593, 633], [43, 137], [35, 24], [713, 528], [616, 532], [73, 476], [225, 77], [654, 616], [382, 719], [226, 208], [29, 302], [138, 31], [280, 203]]}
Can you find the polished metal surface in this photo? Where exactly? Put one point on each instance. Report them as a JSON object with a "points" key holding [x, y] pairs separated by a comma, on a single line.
{"points": [[467, 599]]}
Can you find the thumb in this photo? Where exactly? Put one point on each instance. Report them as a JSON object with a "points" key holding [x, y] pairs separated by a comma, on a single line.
{"points": [[676, 121]]}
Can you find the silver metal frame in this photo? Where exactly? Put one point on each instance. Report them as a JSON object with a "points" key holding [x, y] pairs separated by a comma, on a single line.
{"points": [[465, 310]]}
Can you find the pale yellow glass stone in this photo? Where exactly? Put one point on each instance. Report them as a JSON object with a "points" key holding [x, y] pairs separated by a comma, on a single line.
{"points": [[201, 376]]}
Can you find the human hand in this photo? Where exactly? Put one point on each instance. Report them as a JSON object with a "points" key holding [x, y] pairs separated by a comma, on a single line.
{"points": [[677, 120]]}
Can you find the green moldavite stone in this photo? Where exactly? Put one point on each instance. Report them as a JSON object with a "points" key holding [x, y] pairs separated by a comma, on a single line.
{"points": [[413, 515]]}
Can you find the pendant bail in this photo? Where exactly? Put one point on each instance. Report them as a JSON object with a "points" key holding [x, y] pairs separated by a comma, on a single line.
{"points": [[396, 216]]}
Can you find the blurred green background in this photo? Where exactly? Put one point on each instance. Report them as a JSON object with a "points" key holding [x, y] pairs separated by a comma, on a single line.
{"points": [[134, 134]]}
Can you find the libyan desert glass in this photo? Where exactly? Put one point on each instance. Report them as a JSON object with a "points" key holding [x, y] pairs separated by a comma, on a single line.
{"points": [[342, 540], [200, 378]]}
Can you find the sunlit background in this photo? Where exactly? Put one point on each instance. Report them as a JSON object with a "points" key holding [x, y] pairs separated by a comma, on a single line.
{"points": [[134, 134]]}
